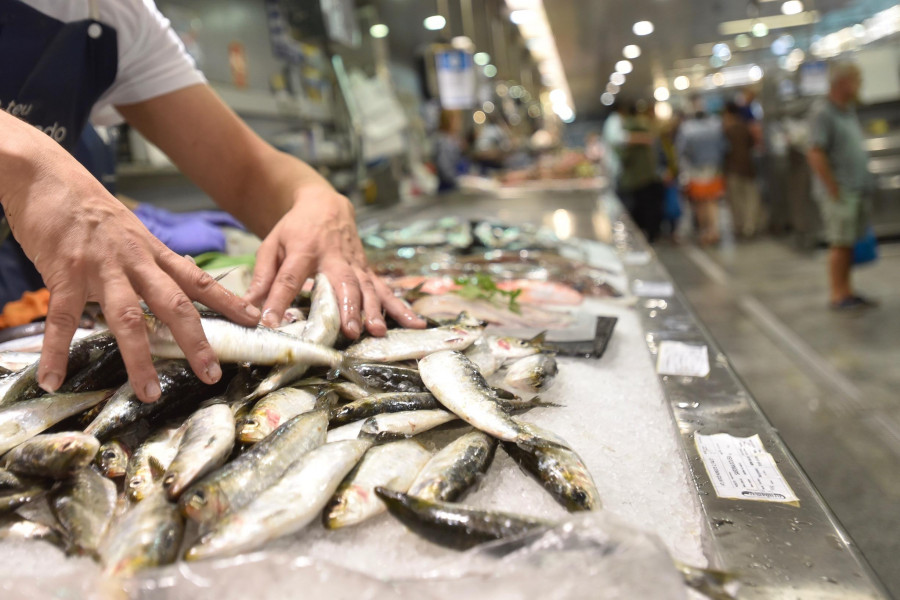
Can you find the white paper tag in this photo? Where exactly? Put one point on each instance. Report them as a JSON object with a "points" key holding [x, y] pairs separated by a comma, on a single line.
{"points": [[741, 469], [636, 258], [678, 358], [653, 289]]}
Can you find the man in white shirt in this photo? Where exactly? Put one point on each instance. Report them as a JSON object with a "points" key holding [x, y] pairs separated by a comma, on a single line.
{"points": [[62, 61]]}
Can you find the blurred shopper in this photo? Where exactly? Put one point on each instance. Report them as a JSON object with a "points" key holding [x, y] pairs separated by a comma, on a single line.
{"points": [[842, 183], [740, 172], [492, 145], [614, 138], [700, 145], [669, 165], [448, 149], [639, 184]]}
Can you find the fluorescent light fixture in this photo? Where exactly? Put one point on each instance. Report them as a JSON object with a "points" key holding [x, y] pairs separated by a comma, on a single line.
{"points": [[617, 78], [481, 58], [624, 67], [773, 22], [642, 28], [490, 70], [520, 17], [759, 30], [612, 88], [681, 83], [435, 23], [379, 30], [755, 73], [661, 93], [631, 51], [607, 99], [792, 7]]}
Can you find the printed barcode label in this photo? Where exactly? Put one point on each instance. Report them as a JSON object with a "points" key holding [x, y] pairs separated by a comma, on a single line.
{"points": [[741, 469], [678, 358]]}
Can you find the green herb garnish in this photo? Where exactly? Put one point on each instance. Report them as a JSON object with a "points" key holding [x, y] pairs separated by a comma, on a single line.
{"points": [[481, 287]]}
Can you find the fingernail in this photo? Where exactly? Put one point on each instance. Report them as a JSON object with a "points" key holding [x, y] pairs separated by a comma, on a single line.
{"points": [[353, 328], [214, 372], [51, 382], [377, 322], [253, 311], [269, 318], [152, 391]]}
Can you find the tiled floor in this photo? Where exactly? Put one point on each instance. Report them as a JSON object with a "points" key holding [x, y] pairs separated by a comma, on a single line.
{"points": [[828, 381]]}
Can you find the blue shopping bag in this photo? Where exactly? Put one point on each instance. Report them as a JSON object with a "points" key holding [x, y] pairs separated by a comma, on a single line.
{"points": [[865, 250], [672, 206]]}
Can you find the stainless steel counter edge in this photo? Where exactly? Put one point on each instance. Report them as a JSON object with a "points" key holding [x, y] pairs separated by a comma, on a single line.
{"points": [[777, 550]]}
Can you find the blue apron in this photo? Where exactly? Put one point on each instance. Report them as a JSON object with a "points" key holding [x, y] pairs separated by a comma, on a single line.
{"points": [[51, 75]]}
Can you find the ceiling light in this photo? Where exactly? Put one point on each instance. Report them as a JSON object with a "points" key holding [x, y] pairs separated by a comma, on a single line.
{"points": [[722, 51], [462, 42], [557, 97], [435, 23], [742, 40], [682, 83], [792, 7], [760, 30], [607, 99], [782, 45], [617, 78], [663, 111], [488, 107], [755, 73], [482, 58], [479, 117], [631, 51], [772, 22], [624, 67], [661, 93], [642, 28], [379, 30], [520, 17], [612, 88], [718, 79], [490, 70]]}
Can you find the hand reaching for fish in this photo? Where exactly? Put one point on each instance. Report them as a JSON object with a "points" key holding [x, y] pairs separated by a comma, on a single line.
{"points": [[319, 234]]}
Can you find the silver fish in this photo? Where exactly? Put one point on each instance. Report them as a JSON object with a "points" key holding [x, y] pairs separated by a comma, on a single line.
{"points": [[286, 507], [272, 410], [16, 490], [345, 432], [16, 361], [377, 404], [491, 352], [15, 527], [148, 464], [455, 469], [234, 343], [207, 441], [243, 479], [404, 424], [52, 455], [84, 505], [458, 385], [531, 375], [148, 535], [392, 465], [112, 459], [405, 344], [25, 419]]}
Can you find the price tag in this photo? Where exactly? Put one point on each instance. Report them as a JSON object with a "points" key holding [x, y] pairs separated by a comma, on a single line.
{"points": [[741, 469], [653, 289], [678, 358]]}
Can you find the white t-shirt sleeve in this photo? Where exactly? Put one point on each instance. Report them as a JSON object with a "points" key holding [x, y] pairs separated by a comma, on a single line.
{"points": [[152, 58]]}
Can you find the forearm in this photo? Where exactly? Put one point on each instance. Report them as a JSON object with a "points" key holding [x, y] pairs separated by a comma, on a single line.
{"points": [[818, 162], [21, 147]]}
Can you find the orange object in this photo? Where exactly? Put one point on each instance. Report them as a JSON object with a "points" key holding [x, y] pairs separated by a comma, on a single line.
{"points": [[32, 306], [237, 60], [703, 190]]}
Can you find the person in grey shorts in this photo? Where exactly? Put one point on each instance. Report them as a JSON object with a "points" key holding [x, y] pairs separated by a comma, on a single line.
{"points": [[842, 182]]}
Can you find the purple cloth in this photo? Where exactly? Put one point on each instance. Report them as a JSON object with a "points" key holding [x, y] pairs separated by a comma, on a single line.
{"points": [[187, 233]]}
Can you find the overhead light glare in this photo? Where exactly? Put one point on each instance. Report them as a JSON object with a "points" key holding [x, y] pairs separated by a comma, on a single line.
{"points": [[606, 99], [742, 40], [631, 51], [663, 111], [792, 7], [479, 117], [490, 70], [624, 67], [681, 83], [612, 88], [435, 23], [523, 16], [661, 93], [617, 78], [642, 28], [379, 30], [481, 58], [759, 30], [718, 79], [772, 22]]}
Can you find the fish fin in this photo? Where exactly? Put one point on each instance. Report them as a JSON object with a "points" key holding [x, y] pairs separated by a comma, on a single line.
{"points": [[157, 470], [537, 401], [538, 340], [712, 583], [347, 371]]}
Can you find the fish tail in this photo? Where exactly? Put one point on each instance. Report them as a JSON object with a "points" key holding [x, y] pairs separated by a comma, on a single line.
{"points": [[537, 401], [347, 371]]}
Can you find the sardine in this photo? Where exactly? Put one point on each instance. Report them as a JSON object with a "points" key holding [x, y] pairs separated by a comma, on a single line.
{"points": [[181, 391], [458, 385], [405, 424], [23, 420], [15, 527], [234, 343], [52, 455], [392, 465], [454, 525], [14, 361], [240, 481], [532, 374], [107, 371], [490, 352], [455, 469], [112, 459], [390, 378], [559, 469], [84, 505], [345, 432], [17, 490], [205, 444], [287, 506], [377, 404], [405, 344], [148, 535], [148, 464], [272, 410]]}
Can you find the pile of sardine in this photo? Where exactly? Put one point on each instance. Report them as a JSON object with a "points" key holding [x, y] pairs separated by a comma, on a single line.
{"points": [[296, 430]]}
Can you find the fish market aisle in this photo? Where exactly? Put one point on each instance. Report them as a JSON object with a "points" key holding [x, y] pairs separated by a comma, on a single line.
{"points": [[826, 380]]}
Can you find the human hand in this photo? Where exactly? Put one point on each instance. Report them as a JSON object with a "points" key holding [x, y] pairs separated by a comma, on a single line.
{"points": [[318, 235], [89, 247]]}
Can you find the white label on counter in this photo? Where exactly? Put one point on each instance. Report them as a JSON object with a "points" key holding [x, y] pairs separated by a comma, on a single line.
{"points": [[741, 469], [653, 289], [678, 358], [636, 258]]}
